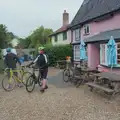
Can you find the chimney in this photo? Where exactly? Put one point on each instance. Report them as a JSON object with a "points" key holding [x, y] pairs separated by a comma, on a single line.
{"points": [[65, 18]]}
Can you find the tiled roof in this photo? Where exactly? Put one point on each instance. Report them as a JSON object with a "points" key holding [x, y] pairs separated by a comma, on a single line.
{"points": [[62, 29], [94, 9], [103, 36]]}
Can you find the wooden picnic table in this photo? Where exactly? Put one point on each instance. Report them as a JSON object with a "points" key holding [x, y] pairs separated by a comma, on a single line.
{"points": [[106, 81], [113, 77], [85, 73]]}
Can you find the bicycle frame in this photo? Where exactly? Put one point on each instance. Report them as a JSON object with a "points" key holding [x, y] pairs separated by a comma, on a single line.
{"points": [[12, 72], [33, 74]]}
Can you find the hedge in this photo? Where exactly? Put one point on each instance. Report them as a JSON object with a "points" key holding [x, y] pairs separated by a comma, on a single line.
{"points": [[1, 61], [56, 53]]}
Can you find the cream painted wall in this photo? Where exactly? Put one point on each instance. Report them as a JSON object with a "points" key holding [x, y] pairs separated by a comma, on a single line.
{"points": [[60, 40]]}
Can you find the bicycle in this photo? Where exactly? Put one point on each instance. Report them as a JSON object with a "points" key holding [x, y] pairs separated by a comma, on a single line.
{"points": [[33, 79], [73, 75], [12, 77], [68, 72]]}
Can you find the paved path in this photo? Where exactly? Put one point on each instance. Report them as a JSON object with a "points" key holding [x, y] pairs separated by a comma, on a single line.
{"points": [[60, 102]]}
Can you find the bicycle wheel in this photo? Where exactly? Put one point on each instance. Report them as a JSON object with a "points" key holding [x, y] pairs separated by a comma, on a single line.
{"points": [[30, 84], [8, 83], [66, 75], [25, 76], [40, 81]]}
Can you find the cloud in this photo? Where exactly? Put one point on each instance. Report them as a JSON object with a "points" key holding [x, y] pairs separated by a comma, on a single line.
{"points": [[22, 16]]}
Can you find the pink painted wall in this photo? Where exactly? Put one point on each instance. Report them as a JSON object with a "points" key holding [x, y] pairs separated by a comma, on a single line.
{"points": [[95, 28], [106, 69], [105, 25], [93, 55]]}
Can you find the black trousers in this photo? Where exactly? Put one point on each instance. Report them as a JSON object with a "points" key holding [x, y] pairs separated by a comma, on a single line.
{"points": [[43, 73]]}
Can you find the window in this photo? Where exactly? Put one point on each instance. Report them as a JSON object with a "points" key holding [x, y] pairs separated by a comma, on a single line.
{"points": [[56, 39], [65, 36], [118, 53], [77, 52], [86, 30], [77, 35], [103, 54]]}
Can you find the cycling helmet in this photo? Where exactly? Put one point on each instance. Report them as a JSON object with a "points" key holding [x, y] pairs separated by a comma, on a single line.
{"points": [[8, 50], [41, 48]]}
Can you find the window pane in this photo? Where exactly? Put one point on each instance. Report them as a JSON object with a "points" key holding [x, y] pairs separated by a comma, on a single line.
{"points": [[118, 53], [56, 38], [77, 34], [86, 29], [65, 36], [118, 45], [103, 58], [77, 52]]}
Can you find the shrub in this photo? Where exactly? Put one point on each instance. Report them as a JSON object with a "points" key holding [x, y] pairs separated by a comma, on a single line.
{"points": [[1, 61], [56, 53]]}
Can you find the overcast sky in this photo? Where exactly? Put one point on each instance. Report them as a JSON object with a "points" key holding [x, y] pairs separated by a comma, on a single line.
{"points": [[23, 16]]}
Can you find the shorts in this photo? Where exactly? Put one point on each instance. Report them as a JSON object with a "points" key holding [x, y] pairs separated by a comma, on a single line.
{"points": [[43, 73]]}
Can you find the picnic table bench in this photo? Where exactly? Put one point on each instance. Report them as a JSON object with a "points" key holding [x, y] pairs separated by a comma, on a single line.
{"points": [[106, 81], [85, 72]]}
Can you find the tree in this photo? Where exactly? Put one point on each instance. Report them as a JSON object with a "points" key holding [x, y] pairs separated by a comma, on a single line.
{"points": [[40, 36], [24, 43], [3, 36]]}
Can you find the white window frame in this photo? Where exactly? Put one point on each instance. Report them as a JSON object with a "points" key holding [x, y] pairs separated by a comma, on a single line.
{"points": [[118, 54], [77, 34], [86, 29], [76, 52], [103, 54]]}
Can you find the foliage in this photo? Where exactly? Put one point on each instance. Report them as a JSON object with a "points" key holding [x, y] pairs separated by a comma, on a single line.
{"points": [[1, 61], [0, 54], [56, 53], [24, 43], [40, 36], [5, 36]]}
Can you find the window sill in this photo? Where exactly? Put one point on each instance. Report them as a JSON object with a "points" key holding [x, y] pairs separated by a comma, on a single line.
{"points": [[115, 66], [86, 34], [77, 39]]}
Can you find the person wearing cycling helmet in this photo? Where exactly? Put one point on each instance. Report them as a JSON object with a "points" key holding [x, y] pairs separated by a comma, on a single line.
{"points": [[42, 63], [11, 59]]}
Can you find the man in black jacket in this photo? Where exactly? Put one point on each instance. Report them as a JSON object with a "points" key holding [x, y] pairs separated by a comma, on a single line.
{"points": [[42, 62]]}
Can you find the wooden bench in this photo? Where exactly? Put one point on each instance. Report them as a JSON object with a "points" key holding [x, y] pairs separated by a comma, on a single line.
{"points": [[104, 81], [94, 85]]}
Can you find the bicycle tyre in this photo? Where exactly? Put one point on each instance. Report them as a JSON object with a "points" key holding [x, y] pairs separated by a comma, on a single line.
{"points": [[40, 82], [11, 85], [24, 79], [66, 75], [30, 82]]}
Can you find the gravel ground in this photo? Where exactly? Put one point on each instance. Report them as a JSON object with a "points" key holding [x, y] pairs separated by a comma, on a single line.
{"points": [[57, 104]]}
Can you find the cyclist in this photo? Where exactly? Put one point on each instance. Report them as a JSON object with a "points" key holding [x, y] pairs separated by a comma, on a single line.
{"points": [[42, 62], [10, 60]]}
